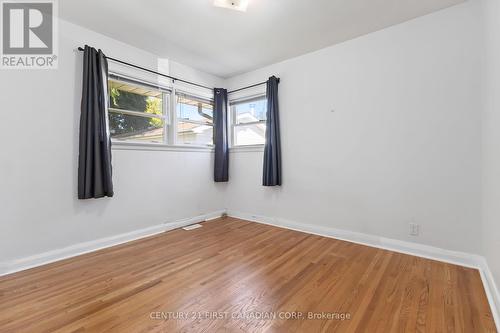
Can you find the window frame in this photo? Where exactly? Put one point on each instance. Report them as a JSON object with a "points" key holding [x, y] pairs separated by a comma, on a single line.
{"points": [[176, 120], [166, 94], [169, 116], [234, 124]]}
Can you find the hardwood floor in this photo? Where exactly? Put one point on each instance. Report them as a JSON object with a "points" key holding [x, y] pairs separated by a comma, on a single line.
{"points": [[246, 273]]}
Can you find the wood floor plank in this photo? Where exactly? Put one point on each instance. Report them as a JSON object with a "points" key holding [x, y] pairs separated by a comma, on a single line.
{"points": [[239, 276]]}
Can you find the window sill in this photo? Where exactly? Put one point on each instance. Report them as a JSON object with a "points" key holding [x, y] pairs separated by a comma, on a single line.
{"points": [[128, 145], [247, 149], [123, 145]]}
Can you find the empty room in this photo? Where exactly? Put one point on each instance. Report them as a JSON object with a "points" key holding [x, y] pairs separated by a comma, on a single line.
{"points": [[250, 166]]}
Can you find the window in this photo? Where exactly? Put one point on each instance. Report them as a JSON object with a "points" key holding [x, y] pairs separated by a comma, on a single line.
{"points": [[194, 120], [137, 112], [249, 121], [142, 112]]}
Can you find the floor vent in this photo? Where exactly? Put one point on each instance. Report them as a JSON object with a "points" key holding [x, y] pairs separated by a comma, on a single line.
{"points": [[192, 226]]}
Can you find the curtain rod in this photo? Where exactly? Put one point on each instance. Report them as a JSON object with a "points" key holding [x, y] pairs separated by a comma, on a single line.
{"points": [[152, 71], [248, 87], [173, 77], [251, 86]]}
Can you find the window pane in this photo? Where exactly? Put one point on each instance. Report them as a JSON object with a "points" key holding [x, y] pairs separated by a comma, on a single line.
{"points": [[249, 112], [254, 134], [194, 134], [136, 128], [129, 97], [191, 108]]}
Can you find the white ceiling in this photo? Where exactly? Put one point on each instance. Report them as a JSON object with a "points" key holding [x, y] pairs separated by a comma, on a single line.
{"points": [[226, 42]]}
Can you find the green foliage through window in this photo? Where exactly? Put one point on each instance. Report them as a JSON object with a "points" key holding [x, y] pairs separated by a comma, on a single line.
{"points": [[136, 99]]}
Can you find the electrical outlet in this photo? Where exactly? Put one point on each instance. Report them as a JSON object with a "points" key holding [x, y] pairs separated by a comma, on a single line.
{"points": [[414, 229]]}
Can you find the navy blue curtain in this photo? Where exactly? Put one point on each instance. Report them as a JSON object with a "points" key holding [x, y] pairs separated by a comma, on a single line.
{"points": [[272, 148], [94, 159], [221, 167]]}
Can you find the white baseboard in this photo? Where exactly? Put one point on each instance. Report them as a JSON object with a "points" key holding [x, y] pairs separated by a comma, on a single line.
{"points": [[491, 289], [415, 249], [21, 264]]}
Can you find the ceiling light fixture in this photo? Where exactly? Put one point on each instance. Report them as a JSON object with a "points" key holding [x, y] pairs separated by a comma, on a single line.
{"points": [[240, 5]]}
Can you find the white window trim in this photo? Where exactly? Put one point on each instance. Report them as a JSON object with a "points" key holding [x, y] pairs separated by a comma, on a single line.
{"points": [[137, 113], [116, 76], [175, 120], [169, 100], [247, 148], [165, 94], [152, 146], [232, 120]]}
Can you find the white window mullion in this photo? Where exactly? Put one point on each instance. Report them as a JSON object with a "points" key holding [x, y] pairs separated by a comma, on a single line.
{"points": [[173, 117], [166, 113], [136, 113], [250, 123], [232, 121]]}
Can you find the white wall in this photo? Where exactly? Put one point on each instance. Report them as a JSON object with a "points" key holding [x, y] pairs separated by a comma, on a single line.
{"points": [[39, 134], [403, 142], [491, 139]]}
